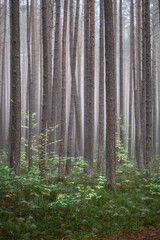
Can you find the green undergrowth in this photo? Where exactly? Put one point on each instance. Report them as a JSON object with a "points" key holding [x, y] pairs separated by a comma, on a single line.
{"points": [[77, 207]]}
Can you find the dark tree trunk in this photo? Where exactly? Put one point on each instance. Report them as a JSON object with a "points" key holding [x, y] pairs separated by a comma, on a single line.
{"points": [[148, 90], [110, 94], [15, 88], [45, 90]]}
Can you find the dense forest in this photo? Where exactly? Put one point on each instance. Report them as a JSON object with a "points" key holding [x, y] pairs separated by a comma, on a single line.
{"points": [[79, 119]]}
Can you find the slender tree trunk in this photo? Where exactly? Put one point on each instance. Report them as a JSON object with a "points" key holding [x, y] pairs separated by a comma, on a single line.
{"points": [[56, 74], [121, 72], [136, 101], [154, 80], [131, 81], [91, 86], [148, 90], [2, 105], [30, 91], [101, 90], [15, 88], [143, 112], [110, 94], [63, 109], [45, 90], [73, 58]]}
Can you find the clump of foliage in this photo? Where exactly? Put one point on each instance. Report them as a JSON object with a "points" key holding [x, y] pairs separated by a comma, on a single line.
{"points": [[76, 207]]}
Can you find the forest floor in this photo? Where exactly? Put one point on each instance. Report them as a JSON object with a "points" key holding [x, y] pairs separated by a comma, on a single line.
{"points": [[148, 234]]}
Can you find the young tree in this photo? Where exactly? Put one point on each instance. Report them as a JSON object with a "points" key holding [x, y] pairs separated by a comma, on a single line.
{"points": [[15, 88], [110, 94]]}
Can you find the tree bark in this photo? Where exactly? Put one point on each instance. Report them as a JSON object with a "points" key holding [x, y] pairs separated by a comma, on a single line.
{"points": [[15, 89], [148, 90], [110, 95], [45, 90], [101, 90]]}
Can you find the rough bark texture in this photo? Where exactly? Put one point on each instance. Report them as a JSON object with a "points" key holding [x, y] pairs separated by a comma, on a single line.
{"points": [[45, 90], [110, 94], [148, 90], [15, 88], [101, 90], [89, 51]]}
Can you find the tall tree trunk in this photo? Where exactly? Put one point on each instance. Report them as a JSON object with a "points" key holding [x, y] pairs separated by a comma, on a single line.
{"points": [[56, 74], [154, 80], [131, 81], [101, 90], [110, 94], [148, 90], [89, 51], [91, 86], [45, 90], [136, 101], [30, 91], [143, 111], [121, 72], [63, 109], [2, 105], [73, 51], [15, 88]]}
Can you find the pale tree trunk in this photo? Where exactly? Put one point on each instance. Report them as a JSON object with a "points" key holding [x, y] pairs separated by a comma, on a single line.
{"points": [[148, 90], [2, 105], [63, 106], [115, 40], [110, 95], [121, 72], [143, 111], [73, 58], [101, 90], [154, 79], [49, 39], [45, 91], [56, 75], [131, 82], [136, 100], [15, 92], [31, 92]]}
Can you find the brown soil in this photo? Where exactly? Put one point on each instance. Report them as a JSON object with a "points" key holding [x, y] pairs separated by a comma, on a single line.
{"points": [[148, 234]]}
